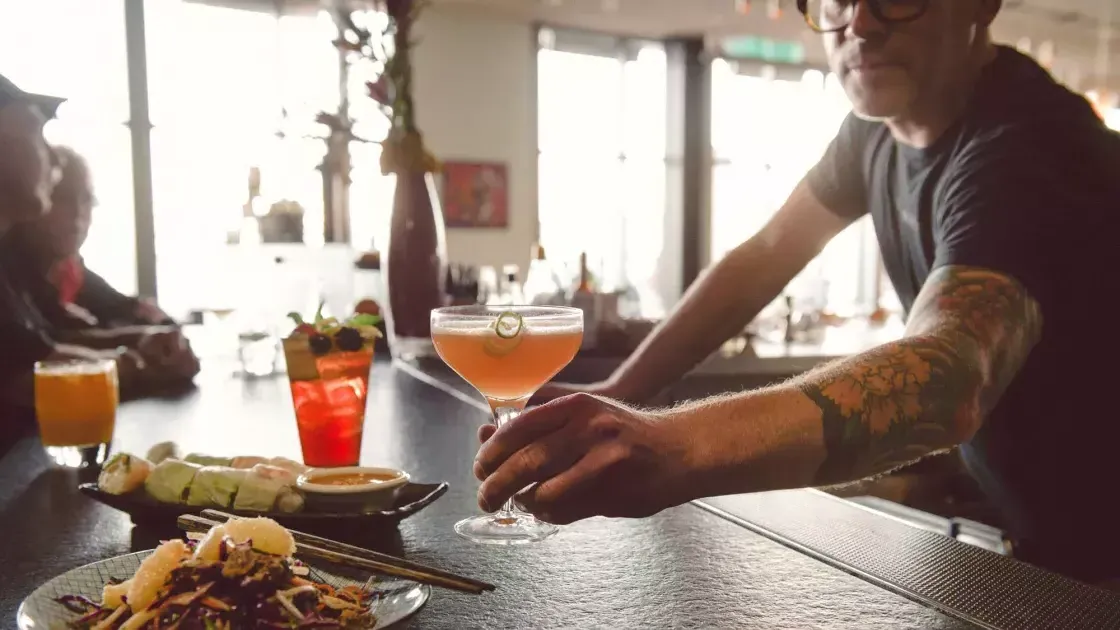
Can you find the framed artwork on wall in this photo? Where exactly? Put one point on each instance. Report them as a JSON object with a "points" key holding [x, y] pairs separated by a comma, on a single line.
{"points": [[475, 194]]}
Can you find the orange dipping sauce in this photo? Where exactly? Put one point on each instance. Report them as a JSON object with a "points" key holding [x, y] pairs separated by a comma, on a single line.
{"points": [[352, 479]]}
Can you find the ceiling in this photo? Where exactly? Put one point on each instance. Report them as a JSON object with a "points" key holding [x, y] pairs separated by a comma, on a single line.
{"points": [[1073, 26]]}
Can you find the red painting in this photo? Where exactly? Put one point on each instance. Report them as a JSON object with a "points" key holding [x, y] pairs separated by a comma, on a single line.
{"points": [[475, 195]]}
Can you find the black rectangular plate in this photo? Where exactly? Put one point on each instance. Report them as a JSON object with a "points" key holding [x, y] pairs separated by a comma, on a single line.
{"points": [[145, 510]]}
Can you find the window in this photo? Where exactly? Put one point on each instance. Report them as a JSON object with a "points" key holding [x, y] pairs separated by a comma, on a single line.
{"points": [[231, 90], [768, 130], [603, 167], [82, 58], [1112, 118]]}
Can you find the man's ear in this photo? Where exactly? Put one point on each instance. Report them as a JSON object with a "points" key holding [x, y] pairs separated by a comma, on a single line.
{"points": [[986, 12]]}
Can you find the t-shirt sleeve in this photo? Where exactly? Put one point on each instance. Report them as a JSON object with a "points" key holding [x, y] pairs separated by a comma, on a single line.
{"points": [[837, 180], [1003, 208]]}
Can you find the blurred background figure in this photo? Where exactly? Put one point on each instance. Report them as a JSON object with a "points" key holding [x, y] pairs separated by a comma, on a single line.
{"points": [[44, 282], [52, 245]]}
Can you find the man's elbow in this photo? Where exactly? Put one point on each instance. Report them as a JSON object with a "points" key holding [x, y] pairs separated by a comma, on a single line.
{"points": [[966, 423]]}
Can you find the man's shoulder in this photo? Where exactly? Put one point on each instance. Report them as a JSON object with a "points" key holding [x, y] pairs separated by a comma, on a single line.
{"points": [[1015, 95], [860, 132]]}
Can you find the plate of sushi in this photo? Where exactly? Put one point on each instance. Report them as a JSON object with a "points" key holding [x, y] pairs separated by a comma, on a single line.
{"points": [[157, 488]]}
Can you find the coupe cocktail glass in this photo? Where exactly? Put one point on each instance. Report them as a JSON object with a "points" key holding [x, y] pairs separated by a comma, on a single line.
{"points": [[506, 353]]}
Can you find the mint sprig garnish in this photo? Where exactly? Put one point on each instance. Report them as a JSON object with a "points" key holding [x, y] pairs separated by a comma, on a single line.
{"points": [[364, 319]]}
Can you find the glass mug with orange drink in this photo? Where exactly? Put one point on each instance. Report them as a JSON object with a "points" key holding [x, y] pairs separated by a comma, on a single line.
{"points": [[76, 408], [328, 370], [507, 353]]}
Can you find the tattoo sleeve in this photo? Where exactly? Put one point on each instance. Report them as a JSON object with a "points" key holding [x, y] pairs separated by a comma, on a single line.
{"points": [[969, 333]]}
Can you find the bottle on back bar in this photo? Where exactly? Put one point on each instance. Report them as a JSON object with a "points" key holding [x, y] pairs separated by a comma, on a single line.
{"points": [[586, 300], [542, 286]]}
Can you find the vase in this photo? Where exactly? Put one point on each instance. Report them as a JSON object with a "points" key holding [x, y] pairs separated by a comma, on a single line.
{"points": [[415, 266]]}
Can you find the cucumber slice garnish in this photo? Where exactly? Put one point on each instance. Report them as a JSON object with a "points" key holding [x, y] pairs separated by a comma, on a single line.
{"points": [[509, 325]]}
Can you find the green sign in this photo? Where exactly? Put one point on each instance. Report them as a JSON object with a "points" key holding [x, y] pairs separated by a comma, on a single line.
{"points": [[761, 48]]}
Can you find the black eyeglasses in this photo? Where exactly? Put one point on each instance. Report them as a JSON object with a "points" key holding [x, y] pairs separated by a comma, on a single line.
{"points": [[833, 16]]}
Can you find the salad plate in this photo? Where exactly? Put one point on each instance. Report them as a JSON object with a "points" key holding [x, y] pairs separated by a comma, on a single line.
{"points": [[392, 600]]}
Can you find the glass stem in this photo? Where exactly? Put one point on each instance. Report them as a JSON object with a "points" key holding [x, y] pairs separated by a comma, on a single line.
{"points": [[502, 415]]}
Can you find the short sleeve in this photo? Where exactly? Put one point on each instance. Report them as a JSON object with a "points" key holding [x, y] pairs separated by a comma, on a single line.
{"points": [[1008, 205], [837, 180]]}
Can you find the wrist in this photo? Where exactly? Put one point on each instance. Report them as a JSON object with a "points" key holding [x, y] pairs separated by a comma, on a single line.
{"points": [[683, 457], [752, 442]]}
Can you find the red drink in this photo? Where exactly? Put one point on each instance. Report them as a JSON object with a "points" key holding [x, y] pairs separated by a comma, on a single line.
{"points": [[329, 396]]}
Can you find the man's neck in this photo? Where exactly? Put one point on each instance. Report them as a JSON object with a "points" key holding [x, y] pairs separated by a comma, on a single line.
{"points": [[932, 118]]}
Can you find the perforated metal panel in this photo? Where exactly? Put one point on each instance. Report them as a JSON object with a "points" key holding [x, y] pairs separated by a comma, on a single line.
{"points": [[967, 582]]}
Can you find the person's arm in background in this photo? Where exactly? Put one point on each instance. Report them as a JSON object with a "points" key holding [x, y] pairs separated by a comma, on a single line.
{"points": [[107, 338], [115, 309], [723, 300], [17, 385], [731, 293]]}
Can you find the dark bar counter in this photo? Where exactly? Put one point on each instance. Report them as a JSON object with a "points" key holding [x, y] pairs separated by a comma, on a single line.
{"points": [[782, 560]]}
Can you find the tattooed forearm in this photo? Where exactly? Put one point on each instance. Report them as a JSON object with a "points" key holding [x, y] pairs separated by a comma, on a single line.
{"points": [[969, 333], [990, 309]]}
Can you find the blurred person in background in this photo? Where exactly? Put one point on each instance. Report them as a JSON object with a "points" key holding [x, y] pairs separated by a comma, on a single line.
{"points": [[29, 171], [994, 195], [70, 294], [82, 308]]}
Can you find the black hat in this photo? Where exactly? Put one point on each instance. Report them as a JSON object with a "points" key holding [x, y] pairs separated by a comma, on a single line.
{"points": [[9, 93]]}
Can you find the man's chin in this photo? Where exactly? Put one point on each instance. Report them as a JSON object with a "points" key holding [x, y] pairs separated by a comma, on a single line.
{"points": [[879, 109], [880, 104]]}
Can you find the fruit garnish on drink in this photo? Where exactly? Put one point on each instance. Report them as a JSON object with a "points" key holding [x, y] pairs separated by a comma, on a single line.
{"points": [[507, 335], [328, 333]]}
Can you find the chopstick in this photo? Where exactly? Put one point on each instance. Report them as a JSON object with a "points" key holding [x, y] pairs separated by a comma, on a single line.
{"points": [[368, 561], [361, 552]]}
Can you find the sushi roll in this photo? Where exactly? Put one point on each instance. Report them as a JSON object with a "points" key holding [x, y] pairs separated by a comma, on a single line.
{"points": [[274, 472], [288, 464], [215, 486], [162, 451], [247, 461], [123, 473], [290, 500], [257, 493], [170, 480], [208, 460]]}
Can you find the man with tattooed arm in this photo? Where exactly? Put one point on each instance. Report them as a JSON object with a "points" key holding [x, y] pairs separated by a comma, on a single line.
{"points": [[995, 194]]}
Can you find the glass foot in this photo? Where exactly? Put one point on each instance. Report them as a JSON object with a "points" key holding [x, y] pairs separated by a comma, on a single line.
{"points": [[513, 528], [78, 456]]}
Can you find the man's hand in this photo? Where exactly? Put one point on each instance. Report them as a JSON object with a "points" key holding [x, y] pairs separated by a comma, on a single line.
{"points": [[148, 311], [169, 353], [588, 457]]}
